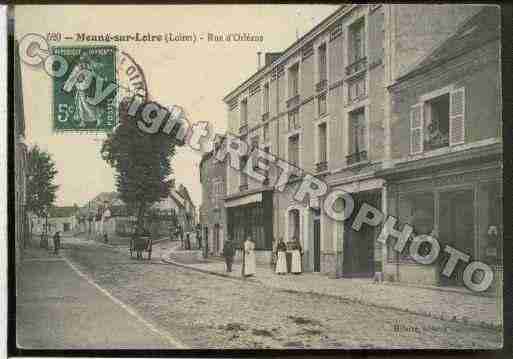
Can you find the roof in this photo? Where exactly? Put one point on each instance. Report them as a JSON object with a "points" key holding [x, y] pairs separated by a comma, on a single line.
{"points": [[286, 53], [477, 31], [65, 211], [102, 197]]}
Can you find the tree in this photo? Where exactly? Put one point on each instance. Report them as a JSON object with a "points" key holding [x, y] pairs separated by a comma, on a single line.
{"points": [[142, 163], [41, 190]]}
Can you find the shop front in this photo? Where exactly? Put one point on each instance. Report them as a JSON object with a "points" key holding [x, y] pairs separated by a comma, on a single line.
{"points": [[458, 200], [251, 216]]}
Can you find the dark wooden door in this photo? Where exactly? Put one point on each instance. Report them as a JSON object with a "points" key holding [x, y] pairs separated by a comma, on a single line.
{"points": [[457, 228], [317, 245]]}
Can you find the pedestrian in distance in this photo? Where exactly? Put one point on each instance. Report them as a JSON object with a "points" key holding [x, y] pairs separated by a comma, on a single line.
{"points": [[198, 237], [281, 261], [297, 254], [188, 240], [56, 242], [228, 254], [249, 258]]}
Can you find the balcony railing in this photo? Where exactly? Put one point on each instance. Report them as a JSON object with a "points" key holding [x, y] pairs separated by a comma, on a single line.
{"points": [[265, 116], [243, 187], [322, 166], [321, 85], [293, 101], [243, 129], [356, 157], [356, 66]]}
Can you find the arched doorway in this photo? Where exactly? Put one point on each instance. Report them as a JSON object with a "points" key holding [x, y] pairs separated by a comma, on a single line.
{"points": [[294, 225]]}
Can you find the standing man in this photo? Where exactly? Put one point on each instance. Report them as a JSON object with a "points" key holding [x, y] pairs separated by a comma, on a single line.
{"points": [[56, 242], [228, 254], [188, 240], [198, 236], [249, 258]]}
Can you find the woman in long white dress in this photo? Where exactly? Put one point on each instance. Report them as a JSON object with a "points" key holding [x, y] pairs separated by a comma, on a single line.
{"points": [[281, 262], [249, 258], [297, 252]]}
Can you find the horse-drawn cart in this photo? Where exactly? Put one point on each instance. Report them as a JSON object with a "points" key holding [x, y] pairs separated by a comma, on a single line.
{"points": [[139, 244]]}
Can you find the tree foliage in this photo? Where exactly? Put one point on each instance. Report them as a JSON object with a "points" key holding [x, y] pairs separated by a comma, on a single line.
{"points": [[41, 190], [142, 163]]}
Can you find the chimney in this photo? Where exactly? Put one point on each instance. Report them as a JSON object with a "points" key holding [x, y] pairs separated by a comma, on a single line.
{"points": [[259, 53]]}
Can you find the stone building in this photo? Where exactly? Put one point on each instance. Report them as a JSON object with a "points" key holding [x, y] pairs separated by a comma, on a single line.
{"points": [[444, 175], [323, 106], [60, 218], [213, 212], [107, 213]]}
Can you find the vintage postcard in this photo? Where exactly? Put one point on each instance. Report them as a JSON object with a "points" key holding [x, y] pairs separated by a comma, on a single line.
{"points": [[258, 176]]}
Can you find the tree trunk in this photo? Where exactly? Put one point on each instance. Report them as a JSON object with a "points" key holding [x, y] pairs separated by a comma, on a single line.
{"points": [[140, 218]]}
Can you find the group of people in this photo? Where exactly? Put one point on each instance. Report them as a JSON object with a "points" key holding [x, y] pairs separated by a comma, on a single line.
{"points": [[56, 241], [186, 238], [293, 263], [248, 256], [286, 257]]}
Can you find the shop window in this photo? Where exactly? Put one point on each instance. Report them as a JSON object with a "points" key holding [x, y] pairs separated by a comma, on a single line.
{"points": [[248, 221], [418, 210]]}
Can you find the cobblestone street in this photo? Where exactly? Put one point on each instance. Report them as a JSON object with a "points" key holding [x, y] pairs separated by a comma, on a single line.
{"points": [[207, 311]]}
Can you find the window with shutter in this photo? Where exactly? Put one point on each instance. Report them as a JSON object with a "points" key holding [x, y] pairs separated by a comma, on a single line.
{"points": [[416, 129], [457, 117]]}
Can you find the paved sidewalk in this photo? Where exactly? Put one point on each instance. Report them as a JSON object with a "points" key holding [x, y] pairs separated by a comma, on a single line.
{"points": [[57, 307], [461, 305]]}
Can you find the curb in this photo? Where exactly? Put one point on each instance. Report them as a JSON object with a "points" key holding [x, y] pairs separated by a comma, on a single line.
{"points": [[446, 318], [206, 271]]}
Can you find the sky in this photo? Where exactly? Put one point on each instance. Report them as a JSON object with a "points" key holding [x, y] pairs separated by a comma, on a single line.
{"points": [[195, 76]]}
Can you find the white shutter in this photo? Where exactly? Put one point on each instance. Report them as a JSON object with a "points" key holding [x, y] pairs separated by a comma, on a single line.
{"points": [[457, 117], [416, 129]]}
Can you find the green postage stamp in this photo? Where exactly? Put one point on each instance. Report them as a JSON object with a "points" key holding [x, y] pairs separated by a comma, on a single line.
{"points": [[85, 98]]}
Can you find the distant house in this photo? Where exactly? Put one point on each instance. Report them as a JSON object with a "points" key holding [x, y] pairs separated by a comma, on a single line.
{"points": [[213, 212], [180, 206], [63, 219], [107, 213]]}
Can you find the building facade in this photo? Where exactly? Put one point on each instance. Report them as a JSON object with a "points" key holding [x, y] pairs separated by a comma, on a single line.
{"points": [[445, 170], [323, 105], [213, 212], [63, 219]]}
